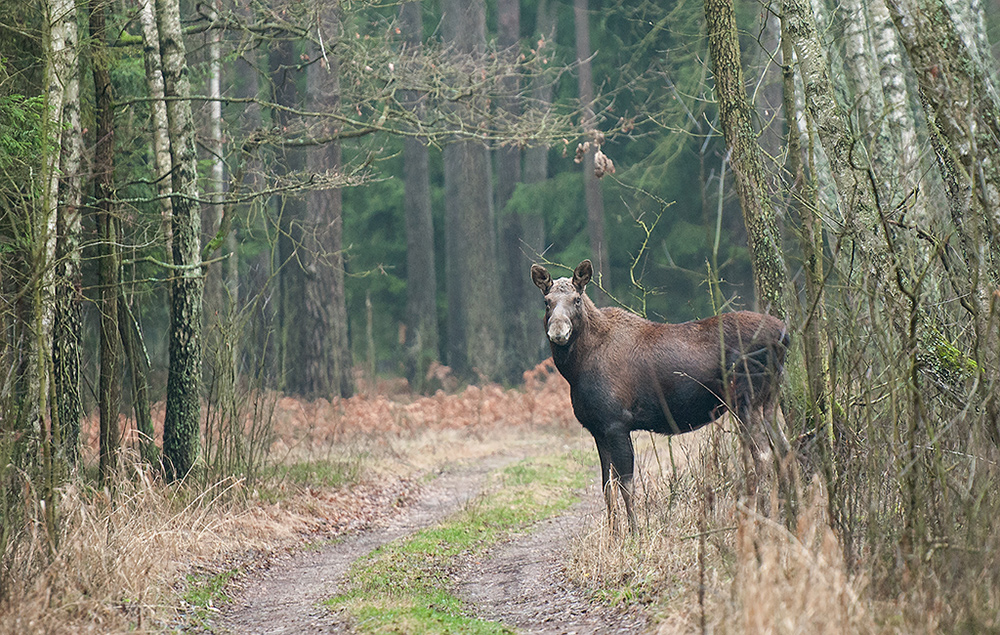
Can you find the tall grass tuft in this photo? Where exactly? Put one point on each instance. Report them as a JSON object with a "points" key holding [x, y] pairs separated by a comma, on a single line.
{"points": [[118, 550]]}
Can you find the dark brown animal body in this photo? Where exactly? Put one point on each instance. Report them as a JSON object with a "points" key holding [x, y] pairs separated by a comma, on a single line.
{"points": [[627, 373]]}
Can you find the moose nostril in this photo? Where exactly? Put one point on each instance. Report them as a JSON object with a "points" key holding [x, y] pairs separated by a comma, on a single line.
{"points": [[559, 333]]}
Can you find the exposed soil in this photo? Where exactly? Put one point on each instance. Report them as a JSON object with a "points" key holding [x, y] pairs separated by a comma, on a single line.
{"points": [[519, 583]]}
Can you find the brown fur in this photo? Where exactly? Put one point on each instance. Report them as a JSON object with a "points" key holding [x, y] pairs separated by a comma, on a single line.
{"points": [[627, 373]]}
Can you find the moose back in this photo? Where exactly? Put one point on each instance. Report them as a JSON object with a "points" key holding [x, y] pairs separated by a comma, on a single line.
{"points": [[627, 373]]}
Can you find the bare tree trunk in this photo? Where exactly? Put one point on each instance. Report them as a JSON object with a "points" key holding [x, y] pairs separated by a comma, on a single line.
{"points": [[815, 337], [109, 239], [158, 118], [741, 139], [521, 305], [963, 110], [66, 336], [900, 124], [289, 213], [470, 235], [137, 358], [181, 428], [536, 170], [866, 93], [421, 284], [859, 216], [221, 277], [327, 367], [591, 185], [258, 350]]}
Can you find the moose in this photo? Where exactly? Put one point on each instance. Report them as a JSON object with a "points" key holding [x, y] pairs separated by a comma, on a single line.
{"points": [[627, 373]]}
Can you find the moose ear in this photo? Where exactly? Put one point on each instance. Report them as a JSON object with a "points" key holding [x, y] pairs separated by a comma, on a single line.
{"points": [[584, 272], [540, 276]]}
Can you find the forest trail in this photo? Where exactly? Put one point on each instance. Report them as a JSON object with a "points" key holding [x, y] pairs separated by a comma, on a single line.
{"points": [[519, 582]]}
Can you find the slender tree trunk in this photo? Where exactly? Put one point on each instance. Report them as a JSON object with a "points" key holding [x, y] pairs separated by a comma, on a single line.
{"points": [[859, 216], [591, 185], [289, 214], [815, 338], [866, 94], [137, 358], [470, 233], [900, 124], [741, 140], [66, 338], [520, 308], [421, 283], [536, 170], [158, 118], [108, 235], [181, 427], [963, 111], [221, 277], [327, 359]]}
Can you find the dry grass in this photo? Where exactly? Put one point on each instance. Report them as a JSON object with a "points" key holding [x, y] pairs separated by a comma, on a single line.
{"points": [[123, 553], [703, 562]]}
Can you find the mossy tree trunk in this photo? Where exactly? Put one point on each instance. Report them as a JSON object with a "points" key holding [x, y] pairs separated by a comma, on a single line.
{"points": [[745, 156], [859, 217], [181, 427], [109, 259]]}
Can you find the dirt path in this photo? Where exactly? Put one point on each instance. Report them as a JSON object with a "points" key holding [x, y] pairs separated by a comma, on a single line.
{"points": [[519, 583]]}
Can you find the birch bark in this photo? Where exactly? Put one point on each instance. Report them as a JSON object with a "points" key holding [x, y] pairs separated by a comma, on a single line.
{"points": [[181, 427]]}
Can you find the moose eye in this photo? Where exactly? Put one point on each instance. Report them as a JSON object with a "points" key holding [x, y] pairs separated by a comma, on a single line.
{"points": [[577, 301]]}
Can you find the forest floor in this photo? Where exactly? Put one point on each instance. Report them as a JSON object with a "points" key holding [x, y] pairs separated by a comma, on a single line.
{"points": [[423, 462], [520, 582]]}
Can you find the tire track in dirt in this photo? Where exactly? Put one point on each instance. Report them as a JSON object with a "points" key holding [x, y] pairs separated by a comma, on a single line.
{"points": [[520, 583], [286, 598]]}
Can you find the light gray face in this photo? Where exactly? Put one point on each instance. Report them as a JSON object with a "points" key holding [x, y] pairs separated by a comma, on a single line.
{"points": [[563, 311], [563, 301]]}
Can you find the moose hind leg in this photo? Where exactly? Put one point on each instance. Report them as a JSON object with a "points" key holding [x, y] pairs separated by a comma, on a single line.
{"points": [[756, 444]]}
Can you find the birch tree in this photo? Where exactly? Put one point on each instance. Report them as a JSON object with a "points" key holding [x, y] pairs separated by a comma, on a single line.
{"points": [[963, 109], [67, 326], [857, 213], [181, 427], [158, 118]]}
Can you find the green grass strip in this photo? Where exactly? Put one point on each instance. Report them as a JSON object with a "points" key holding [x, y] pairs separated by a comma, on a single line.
{"points": [[405, 586]]}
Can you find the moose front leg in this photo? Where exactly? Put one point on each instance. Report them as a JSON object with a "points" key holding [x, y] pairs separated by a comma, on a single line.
{"points": [[617, 466]]}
